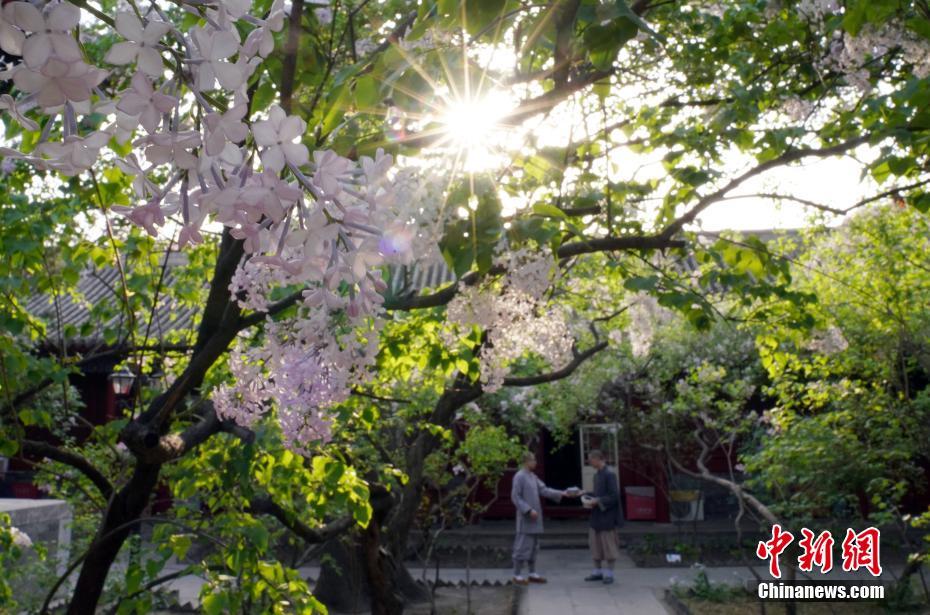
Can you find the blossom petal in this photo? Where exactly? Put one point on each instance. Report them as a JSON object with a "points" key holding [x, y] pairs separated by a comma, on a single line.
{"points": [[132, 104], [229, 75], [264, 133], [206, 78], [291, 128], [29, 80], [273, 159], [64, 17], [11, 40], [296, 153], [36, 51], [121, 53], [154, 31], [236, 132], [150, 62], [65, 47], [26, 16], [51, 95], [129, 26], [142, 85], [163, 102], [76, 89], [158, 154], [223, 45]]}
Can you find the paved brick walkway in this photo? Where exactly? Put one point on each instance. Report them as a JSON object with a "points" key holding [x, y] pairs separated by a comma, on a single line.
{"points": [[567, 593]]}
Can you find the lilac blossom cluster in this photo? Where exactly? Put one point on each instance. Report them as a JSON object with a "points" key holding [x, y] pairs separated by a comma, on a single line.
{"points": [[851, 54], [515, 318], [321, 223]]}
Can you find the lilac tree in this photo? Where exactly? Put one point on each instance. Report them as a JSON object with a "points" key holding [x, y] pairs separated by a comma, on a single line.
{"points": [[277, 128]]}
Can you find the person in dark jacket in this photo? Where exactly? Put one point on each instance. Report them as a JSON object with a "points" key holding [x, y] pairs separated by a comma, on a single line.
{"points": [[606, 517]]}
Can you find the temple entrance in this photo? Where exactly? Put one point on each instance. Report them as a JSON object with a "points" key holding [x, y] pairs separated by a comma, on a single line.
{"points": [[601, 437]]}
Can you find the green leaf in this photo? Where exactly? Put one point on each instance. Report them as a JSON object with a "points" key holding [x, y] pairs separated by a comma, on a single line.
{"points": [[550, 211], [921, 202], [604, 41], [215, 604], [641, 283], [624, 10], [367, 94], [473, 240]]}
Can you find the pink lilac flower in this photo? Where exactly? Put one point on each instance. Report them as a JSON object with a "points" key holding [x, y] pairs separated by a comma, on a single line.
{"points": [[145, 104]]}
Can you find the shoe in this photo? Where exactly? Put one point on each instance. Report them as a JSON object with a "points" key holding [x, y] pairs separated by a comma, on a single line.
{"points": [[535, 578], [520, 581], [608, 580], [594, 577]]}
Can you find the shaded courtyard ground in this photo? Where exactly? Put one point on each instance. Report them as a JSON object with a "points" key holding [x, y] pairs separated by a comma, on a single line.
{"points": [[638, 591]]}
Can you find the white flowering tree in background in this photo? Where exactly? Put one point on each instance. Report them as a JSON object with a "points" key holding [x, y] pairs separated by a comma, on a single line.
{"points": [[307, 158]]}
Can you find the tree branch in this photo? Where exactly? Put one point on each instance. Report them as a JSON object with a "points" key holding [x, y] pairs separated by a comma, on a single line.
{"points": [[310, 535], [76, 461], [175, 445], [559, 374], [289, 63], [787, 158], [567, 250], [623, 242], [734, 487]]}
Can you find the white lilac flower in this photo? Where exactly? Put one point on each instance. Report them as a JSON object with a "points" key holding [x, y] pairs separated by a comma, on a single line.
{"points": [[276, 136], [11, 37], [7, 102], [330, 167], [215, 47], [141, 44], [225, 128], [172, 147], [50, 34], [20, 538]]}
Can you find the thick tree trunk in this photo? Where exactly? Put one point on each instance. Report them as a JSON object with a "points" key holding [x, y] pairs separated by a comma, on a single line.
{"points": [[353, 580], [381, 576], [362, 570], [124, 510], [343, 583]]}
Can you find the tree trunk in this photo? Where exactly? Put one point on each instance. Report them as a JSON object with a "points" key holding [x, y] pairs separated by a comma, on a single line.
{"points": [[357, 573], [343, 584], [381, 576], [124, 510]]}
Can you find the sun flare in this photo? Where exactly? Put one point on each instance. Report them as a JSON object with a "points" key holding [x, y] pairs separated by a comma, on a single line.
{"points": [[475, 127], [470, 123]]}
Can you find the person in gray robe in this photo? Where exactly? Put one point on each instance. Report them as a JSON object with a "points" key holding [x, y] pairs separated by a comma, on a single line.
{"points": [[525, 495]]}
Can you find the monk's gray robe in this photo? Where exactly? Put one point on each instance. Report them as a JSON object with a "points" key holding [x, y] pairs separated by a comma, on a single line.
{"points": [[525, 495]]}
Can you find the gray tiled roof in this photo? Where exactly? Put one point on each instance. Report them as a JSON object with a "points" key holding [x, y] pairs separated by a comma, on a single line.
{"points": [[102, 285], [406, 279], [99, 285]]}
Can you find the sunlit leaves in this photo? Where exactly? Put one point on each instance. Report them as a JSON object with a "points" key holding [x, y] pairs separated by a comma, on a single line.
{"points": [[602, 42], [472, 240]]}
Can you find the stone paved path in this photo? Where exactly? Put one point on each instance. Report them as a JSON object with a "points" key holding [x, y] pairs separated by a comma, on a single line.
{"points": [[567, 593]]}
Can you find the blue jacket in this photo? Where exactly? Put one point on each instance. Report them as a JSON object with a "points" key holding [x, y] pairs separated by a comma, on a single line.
{"points": [[608, 514]]}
